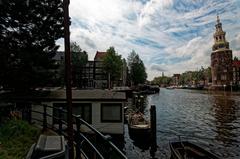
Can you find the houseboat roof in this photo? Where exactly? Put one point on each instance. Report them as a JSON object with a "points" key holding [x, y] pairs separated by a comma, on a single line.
{"points": [[60, 95], [90, 94]]}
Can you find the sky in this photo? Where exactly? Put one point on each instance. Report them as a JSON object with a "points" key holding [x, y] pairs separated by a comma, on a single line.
{"points": [[170, 36]]}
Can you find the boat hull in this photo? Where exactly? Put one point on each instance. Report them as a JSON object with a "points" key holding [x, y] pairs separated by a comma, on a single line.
{"points": [[180, 150], [139, 133]]}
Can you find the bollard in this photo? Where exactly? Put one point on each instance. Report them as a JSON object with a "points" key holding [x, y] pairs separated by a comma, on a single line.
{"points": [[153, 148]]}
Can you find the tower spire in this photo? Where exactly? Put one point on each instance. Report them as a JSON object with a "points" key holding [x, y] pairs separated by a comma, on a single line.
{"points": [[218, 19]]}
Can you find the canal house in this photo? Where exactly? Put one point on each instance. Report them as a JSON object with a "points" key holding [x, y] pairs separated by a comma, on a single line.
{"points": [[103, 109]]}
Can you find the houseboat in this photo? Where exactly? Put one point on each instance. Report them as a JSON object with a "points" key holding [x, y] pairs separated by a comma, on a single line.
{"points": [[103, 109]]}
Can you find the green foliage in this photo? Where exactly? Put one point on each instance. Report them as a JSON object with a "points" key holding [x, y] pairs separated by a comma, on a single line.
{"points": [[187, 78], [235, 58], [195, 76], [162, 80], [137, 69], [16, 137], [79, 60], [112, 64], [27, 42], [79, 57]]}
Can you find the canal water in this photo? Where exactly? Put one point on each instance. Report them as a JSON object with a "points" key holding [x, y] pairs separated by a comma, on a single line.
{"points": [[210, 119]]}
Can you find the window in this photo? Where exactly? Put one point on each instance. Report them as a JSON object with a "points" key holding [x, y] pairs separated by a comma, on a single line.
{"points": [[223, 77], [111, 112], [83, 109]]}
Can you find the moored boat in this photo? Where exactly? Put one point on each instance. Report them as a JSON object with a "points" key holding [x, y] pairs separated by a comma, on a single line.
{"points": [[138, 126], [170, 87], [187, 150]]}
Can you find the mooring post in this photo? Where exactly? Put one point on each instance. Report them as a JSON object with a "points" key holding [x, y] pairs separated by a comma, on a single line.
{"points": [[153, 148], [141, 103]]}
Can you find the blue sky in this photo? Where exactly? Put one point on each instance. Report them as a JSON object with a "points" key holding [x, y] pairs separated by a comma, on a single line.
{"points": [[169, 35]]}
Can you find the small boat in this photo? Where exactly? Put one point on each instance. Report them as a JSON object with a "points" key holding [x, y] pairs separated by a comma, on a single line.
{"points": [[138, 126], [170, 87], [187, 150]]}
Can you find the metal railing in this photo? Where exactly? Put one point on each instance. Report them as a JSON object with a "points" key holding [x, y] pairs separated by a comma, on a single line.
{"points": [[91, 144]]}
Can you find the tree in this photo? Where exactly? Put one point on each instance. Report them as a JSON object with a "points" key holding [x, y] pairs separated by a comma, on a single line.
{"points": [[79, 60], [162, 80], [208, 74], [137, 69], [235, 58], [27, 42], [112, 64]]}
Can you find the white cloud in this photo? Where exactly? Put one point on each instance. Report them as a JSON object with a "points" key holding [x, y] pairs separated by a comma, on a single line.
{"points": [[182, 33]]}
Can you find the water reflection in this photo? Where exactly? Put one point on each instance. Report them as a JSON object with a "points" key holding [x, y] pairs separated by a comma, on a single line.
{"points": [[209, 118], [225, 115]]}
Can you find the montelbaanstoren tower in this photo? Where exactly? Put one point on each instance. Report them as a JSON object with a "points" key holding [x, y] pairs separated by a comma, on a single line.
{"points": [[221, 58]]}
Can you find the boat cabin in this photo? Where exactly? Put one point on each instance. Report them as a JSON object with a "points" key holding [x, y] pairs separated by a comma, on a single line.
{"points": [[103, 109]]}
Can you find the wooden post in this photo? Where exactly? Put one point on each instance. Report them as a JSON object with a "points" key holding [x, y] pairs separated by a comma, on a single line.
{"points": [[68, 77], [44, 117], [77, 135], [153, 148], [141, 104], [108, 149]]}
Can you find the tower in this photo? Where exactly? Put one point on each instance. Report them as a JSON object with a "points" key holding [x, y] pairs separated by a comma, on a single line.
{"points": [[221, 58]]}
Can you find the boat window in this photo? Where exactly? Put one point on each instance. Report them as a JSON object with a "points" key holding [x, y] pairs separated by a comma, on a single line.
{"points": [[111, 112], [83, 109]]}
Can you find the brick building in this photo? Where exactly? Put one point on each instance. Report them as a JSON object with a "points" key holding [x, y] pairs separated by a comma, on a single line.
{"points": [[221, 59], [236, 72]]}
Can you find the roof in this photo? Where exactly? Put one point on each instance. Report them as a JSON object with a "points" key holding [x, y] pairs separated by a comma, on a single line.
{"points": [[60, 95], [99, 55], [176, 75], [90, 94], [236, 63]]}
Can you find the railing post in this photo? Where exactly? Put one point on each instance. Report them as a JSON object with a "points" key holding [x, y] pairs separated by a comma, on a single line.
{"points": [[29, 118], [60, 120], [78, 139], [108, 149], [44, 117]]}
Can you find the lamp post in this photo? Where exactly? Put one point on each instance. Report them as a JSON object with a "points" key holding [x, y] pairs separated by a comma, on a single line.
{"points": [[68, 79]]}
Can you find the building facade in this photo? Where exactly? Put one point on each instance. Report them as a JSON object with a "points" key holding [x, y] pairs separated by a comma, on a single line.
{"points": [[236, 72], [176, 78], [221, 59], [93, 75]]}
